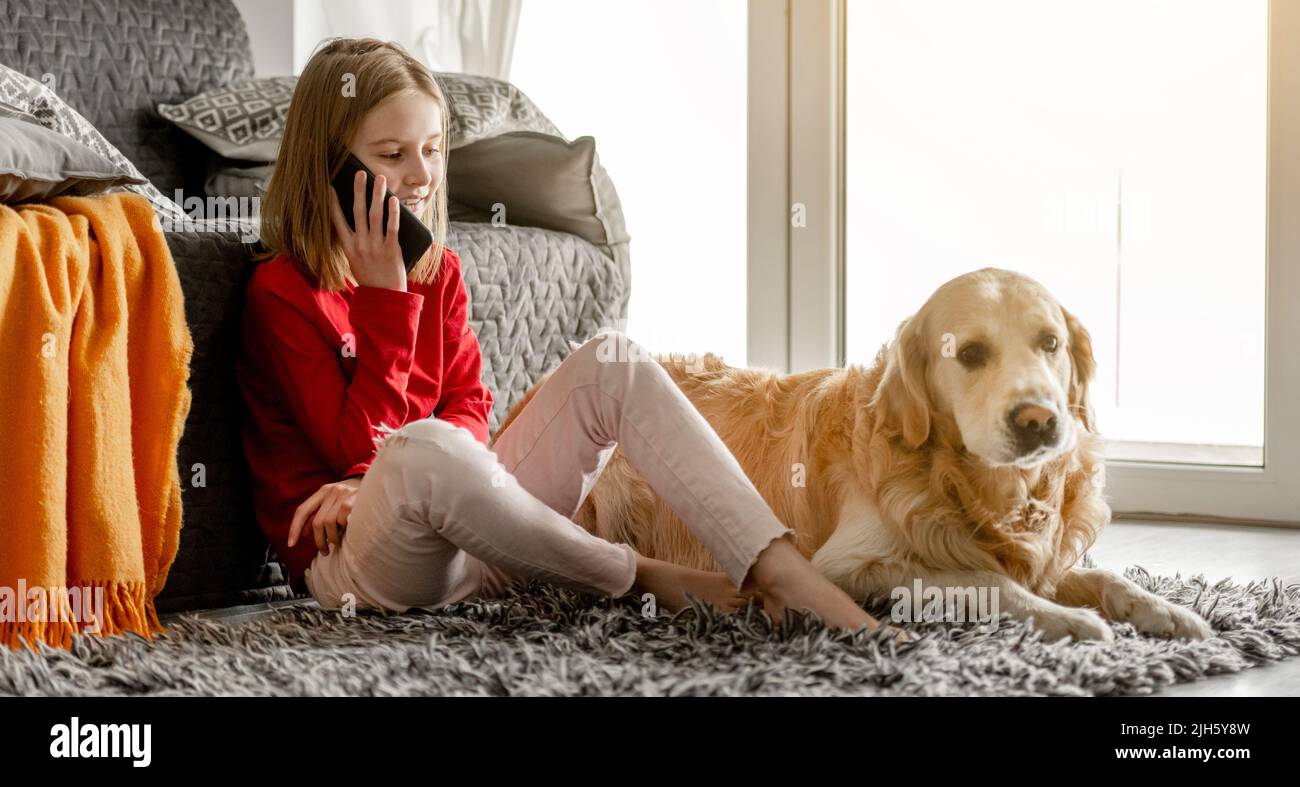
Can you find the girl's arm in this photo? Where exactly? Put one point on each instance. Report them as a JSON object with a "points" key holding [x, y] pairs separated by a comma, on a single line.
{"points": [[336, 415], [465, 400]]}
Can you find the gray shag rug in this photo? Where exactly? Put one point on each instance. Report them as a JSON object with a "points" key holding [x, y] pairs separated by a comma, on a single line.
{"points": [[543, 640]]}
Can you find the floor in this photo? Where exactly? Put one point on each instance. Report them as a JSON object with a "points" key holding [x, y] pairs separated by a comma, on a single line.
{"points": [[1237, 551]]}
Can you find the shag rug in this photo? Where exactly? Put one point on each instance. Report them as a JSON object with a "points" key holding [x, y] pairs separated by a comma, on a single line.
{"points": [[544, 640]]}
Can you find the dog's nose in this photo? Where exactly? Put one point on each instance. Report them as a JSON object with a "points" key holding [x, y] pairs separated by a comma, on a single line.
{"points": [[1032, 426]]}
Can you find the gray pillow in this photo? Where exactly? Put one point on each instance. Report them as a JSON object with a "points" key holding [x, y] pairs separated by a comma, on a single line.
{"points": [[7, 111], [542, 180], [37, 163], [26, 96], [229, 181], [539, 180]]}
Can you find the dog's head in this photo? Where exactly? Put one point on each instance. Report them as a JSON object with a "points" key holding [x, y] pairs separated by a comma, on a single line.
{"points": [[993, 351]]}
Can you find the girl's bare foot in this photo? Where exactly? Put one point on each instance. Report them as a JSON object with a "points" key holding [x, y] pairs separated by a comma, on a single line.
{"points": [[669, 582], [786, 579]]}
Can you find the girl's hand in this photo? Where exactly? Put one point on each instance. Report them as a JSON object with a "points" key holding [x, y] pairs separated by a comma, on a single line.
{"points": [[374, 255], [328, 510]]}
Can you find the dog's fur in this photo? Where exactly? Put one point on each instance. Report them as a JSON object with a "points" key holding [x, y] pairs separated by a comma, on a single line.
{"points": [[909, 469]]}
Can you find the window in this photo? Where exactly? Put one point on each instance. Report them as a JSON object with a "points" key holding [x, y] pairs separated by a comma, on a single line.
{"points": [[1115, 150], [661, 85]]}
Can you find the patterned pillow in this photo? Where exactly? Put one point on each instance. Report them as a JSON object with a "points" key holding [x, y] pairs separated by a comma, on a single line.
{"points": [[21, 94], [483, 107], [242, 120], [245, 120]]}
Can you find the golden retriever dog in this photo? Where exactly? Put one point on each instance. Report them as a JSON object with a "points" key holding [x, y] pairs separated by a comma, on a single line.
{"points": [[964, 457]]}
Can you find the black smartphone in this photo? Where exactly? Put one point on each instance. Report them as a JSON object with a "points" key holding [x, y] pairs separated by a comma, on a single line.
{"points": [[414, 238]]}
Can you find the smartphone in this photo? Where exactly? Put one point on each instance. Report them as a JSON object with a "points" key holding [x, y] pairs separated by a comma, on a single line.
{"points": [[414, 238]]}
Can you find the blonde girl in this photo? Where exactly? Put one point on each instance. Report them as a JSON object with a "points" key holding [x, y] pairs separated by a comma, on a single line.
{"points": [[342, 346]]}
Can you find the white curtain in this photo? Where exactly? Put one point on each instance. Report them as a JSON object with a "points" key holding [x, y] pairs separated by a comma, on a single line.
{"points": [[469, 36]]}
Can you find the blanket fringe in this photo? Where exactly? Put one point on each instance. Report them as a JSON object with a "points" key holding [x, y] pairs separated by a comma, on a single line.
{"points": [[127, 608]]}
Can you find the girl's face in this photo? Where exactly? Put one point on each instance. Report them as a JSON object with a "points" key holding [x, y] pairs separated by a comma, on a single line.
{"points": [[399, 139]]}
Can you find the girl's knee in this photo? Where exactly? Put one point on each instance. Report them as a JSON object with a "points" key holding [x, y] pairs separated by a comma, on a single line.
{"points": [[434, 430], [438, 451], [612, 346]]}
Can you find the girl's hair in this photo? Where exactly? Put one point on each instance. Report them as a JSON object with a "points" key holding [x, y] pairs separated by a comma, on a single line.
{"points": [[344, 79]]}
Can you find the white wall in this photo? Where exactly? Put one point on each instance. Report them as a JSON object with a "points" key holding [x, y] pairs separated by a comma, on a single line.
{"points": [[270, 29], [308, 29]]}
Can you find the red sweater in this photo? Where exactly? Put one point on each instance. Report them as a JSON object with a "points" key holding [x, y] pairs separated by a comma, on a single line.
{"points": [[320, 370]]}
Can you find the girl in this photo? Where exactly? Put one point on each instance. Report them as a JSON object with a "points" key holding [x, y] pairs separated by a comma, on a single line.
{"points": [[340, 342]]}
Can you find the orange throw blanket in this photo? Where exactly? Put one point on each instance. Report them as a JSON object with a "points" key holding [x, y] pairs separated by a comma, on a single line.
{"points": [[94, 359]]}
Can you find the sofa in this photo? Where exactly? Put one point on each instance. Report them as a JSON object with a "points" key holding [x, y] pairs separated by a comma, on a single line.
{"points": [[532, 289]]}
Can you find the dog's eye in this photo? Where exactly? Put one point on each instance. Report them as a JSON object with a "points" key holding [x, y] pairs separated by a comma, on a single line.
{"points": [[1050, 343], [973, 355]]}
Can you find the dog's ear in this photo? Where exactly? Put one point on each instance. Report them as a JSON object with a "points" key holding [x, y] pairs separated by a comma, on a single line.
{"points": [[903, 390], [1082, 367]]}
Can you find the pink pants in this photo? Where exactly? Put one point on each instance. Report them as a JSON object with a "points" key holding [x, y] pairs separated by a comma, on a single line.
{"points": [[441, 518]]}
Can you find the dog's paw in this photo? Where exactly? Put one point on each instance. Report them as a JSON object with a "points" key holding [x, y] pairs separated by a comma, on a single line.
{"points": [[1153, 615], [1076, 623]]}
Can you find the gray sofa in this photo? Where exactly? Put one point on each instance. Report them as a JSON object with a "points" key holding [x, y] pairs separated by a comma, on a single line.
{"points": [[532, 290]]}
